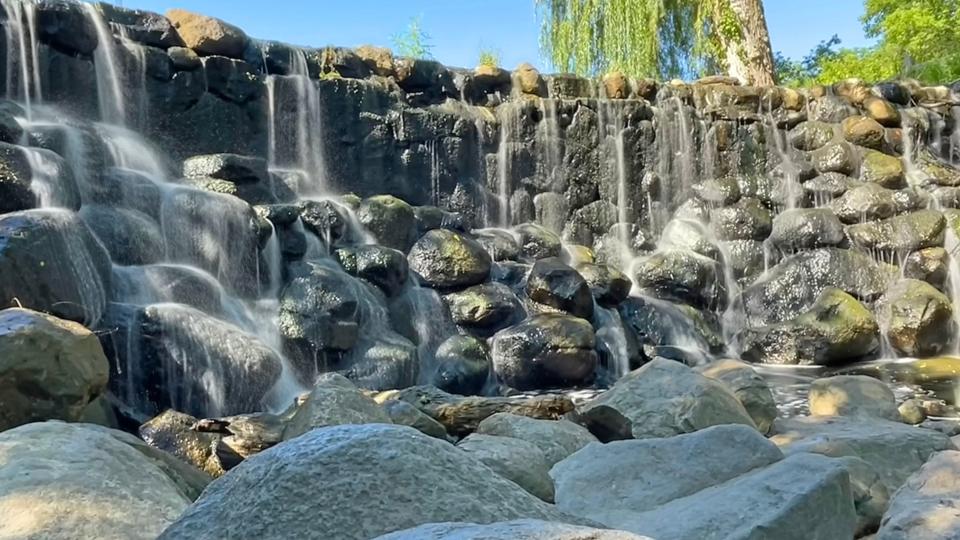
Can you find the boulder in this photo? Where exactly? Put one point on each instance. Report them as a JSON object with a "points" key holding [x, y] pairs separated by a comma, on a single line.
{"points": [[882, 111], [207, 35], [746, 220], [51, 262], [825, 188], [883, 170], [402, 413], [463, 365], [866, 202], [172, 432], [527, 78], [837, 157], [900, 234], [66, 481], [378, 59], [545, 351], [836, 329], [916, 318], [608, 285], [745, 259], [523, 529], [930, 265], [718, 191], [554, 284], [334, 401], [537, 242], [391, 221], [15, 179], [927, 507], [145, 27], [517, 460], [830, 108], [50, 369], [66, 26], [500, 244], [894, 450], [748, 386], [485, 308], [682, 276], [130, 237], [385, 267], [852, 395], [811, 135], [661, 399], [556, 439], [610, 483], [230, 167], [797, 229], [791, 287], [445, 259], [863, 131], [275, 494]]}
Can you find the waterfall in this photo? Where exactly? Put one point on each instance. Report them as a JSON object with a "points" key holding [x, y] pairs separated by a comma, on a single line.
{"points": [[509, 117], [110, 93], [295, 130], [23, 51]]}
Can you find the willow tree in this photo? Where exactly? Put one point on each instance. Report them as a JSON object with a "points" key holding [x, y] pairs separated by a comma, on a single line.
{"points": [[658, 38]]}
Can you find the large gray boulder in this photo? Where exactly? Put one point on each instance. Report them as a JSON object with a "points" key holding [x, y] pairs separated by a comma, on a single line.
{"points": [[333, 401], [557, 439], [50, 369], [895, 450], [927, 507], [609, 483], [521, 529], [66, 481], [517, 460], [662, 399], [354, 482], [852, 395], [806, 228], [900, 234]]}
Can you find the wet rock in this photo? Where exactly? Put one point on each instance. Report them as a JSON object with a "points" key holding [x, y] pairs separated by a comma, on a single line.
{"points": [[718, 191], [402, 413], [863, 131], [745, 258], [500, 244], [143, 26], [232, 80], [836, 329], [881, 169], [384, 267], [444, 259], [545, 351], [131, 238], [682, 276], [334, 401], [172, 432], [661, 399], [900, 234], [517, 460], [536, 242], [327, 220], [559, 286], [15, 180], [893, 91], [866, 202], [911, 412], [463, 365], [930, 265], [792, 286], [806, 228], [66, 27], [207, 35], [746, 220], [82, 481], [230, 167], [925, 508], [917, 318], [485, 308], [609, 483], [432, 217], [894, 450], [608, 285], [882, 111], [748, 386], [184, 59], [852, 395], [50, 369], [830, 108], [526, 529], [837, 157], [589, 223], [556, 439], [430, 481], [391, 220], [812, 135], [687, 234], [318, 312], [51, 262], [175, 356], [824, 188]]}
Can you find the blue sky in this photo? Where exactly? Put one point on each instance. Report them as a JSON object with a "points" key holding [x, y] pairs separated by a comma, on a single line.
{"points": [[460, 28]]}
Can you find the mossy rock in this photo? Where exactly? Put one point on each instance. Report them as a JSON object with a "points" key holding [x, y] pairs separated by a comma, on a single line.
{"points": [[882, 169], [917, 318]]}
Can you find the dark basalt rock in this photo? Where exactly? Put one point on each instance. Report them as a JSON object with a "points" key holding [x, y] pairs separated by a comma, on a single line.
{"points": [[485, 308], [682, 276], [129, 236], [391, 221], [553, 283], [384, 267], [608, 285], [65, 26], [545, 351], [444, 259], [463, 365], [148, 28]]}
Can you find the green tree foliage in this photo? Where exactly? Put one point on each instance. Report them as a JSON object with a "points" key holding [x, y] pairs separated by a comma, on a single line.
{"points": [[413, 42], [644, 38], [489, 57], [915, 38], [806, 72]]}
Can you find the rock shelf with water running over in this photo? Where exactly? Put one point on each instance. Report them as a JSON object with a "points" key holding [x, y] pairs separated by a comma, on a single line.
{"points": [[378, 296]]}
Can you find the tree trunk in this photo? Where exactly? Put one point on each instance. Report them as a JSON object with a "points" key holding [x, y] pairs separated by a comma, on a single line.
{"points": [[751, 59]]}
